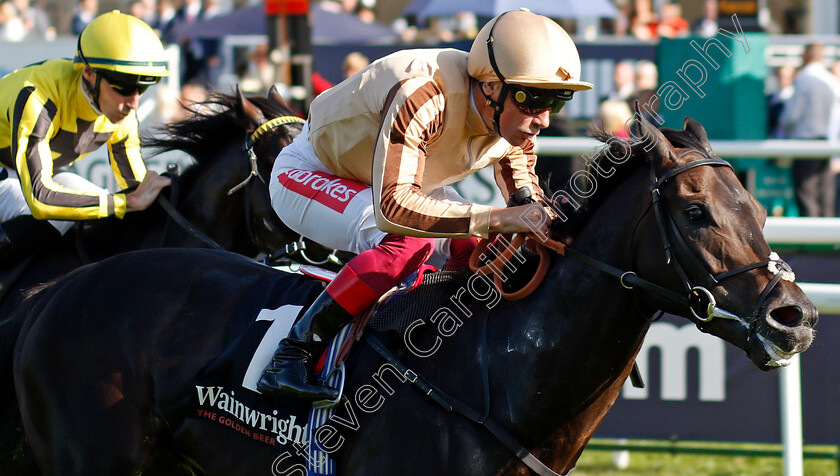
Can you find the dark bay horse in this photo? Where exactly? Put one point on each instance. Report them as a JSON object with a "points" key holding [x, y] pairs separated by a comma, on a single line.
{"points": [[242, 222], [106, 361]]}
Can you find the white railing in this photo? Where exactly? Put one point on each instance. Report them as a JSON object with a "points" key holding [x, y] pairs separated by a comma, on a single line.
{"points": [[802, 231], [813, 149], [825, 296], [827, 299]]}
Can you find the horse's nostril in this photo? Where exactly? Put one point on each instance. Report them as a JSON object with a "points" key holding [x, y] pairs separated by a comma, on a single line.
{"points": [[788, 315]]}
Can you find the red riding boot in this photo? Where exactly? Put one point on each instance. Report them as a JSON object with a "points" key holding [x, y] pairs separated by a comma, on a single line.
{"points": [[356, 287]]}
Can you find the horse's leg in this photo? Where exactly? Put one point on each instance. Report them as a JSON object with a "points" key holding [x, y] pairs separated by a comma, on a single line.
{"points": [[83, 414], [81, 431], [16, 458]]}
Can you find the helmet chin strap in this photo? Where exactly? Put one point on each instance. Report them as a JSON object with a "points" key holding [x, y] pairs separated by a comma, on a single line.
{"points": [[91, 93], [497, 105]]}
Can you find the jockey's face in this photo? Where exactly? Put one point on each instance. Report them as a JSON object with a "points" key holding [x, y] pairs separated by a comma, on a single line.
{"points": [[515, 125], [518, 127], [115, 106]]}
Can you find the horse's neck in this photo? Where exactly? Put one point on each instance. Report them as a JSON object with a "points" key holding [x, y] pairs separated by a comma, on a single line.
{"points": [[204, 202], [578, 335]]}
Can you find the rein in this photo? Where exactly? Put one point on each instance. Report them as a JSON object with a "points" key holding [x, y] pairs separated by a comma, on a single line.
{"points": [[177, 217], [697, 298], [167, 206], [182, 221]]}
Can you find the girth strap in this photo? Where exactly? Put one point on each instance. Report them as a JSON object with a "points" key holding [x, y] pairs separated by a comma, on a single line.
{"points": [[450, 404]]}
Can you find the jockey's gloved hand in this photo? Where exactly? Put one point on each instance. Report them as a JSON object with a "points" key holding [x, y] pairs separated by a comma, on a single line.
{"points": [[561, 225], [520, 197], [566, 222]]}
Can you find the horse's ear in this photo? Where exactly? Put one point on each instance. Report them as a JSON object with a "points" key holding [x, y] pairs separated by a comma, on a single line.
{"points": [[696, 130], [655, 143], [247, 112], [275, 96]]}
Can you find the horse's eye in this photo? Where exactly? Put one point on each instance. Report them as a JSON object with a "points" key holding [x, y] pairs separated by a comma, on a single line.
{"points": [[695, 213]]}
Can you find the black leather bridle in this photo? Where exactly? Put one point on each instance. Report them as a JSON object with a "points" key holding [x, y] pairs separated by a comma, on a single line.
{"points": [[250, 140], [701, 302]]}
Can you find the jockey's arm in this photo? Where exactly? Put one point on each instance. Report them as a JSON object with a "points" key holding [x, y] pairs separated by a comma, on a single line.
{"points": [[33, 155], [128, 166], [514, 171], [414, 115], [47, 199], [531, 218]]}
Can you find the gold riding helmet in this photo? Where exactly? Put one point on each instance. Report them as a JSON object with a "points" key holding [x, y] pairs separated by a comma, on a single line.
{"points": [[532, 56], [122, 49]]}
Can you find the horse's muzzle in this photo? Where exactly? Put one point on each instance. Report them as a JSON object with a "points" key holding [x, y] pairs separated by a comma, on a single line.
{"points": [[784, 328]]}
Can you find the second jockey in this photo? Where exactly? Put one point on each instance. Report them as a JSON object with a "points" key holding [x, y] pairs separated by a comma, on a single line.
{"points": [[371, 170], [56, 112]]}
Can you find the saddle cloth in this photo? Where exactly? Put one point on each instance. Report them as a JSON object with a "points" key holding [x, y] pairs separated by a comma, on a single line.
{"points": [[226, 400], [226, 393]]}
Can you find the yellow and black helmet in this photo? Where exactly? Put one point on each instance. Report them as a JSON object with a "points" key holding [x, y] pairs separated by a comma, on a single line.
{"points": [[121, 45]]}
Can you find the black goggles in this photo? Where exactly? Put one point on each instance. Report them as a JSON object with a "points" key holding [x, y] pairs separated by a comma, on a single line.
{"points": [[127, 84], [534, 101]]}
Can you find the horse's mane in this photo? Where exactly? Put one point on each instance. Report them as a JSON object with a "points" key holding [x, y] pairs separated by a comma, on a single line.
{"points": [[605, 186], [209, 126]]}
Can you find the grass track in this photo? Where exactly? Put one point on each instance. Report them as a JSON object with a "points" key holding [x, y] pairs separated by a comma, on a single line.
{"points": [[665, 463]]}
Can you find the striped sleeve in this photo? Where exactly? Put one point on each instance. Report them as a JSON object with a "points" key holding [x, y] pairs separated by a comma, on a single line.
{"points": [[32, 125], [411, 118], [126, 162], [517, 170]]}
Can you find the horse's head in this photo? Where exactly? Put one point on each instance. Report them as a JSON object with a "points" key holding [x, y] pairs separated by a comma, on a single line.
{"points": [[234, 140], [269, 125], [711, 228], [260, 119]]}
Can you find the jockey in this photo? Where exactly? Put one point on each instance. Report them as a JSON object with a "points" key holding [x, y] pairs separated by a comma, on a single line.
{"points": [[56, 112], [370, 171]]}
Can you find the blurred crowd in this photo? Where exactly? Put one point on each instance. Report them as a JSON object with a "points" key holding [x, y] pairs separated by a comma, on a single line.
{"points": [[800, 106], [22, 20], [806, 105]]}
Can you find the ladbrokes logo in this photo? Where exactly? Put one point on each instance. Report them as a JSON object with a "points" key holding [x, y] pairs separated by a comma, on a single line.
{"points": [[329, 190]]}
